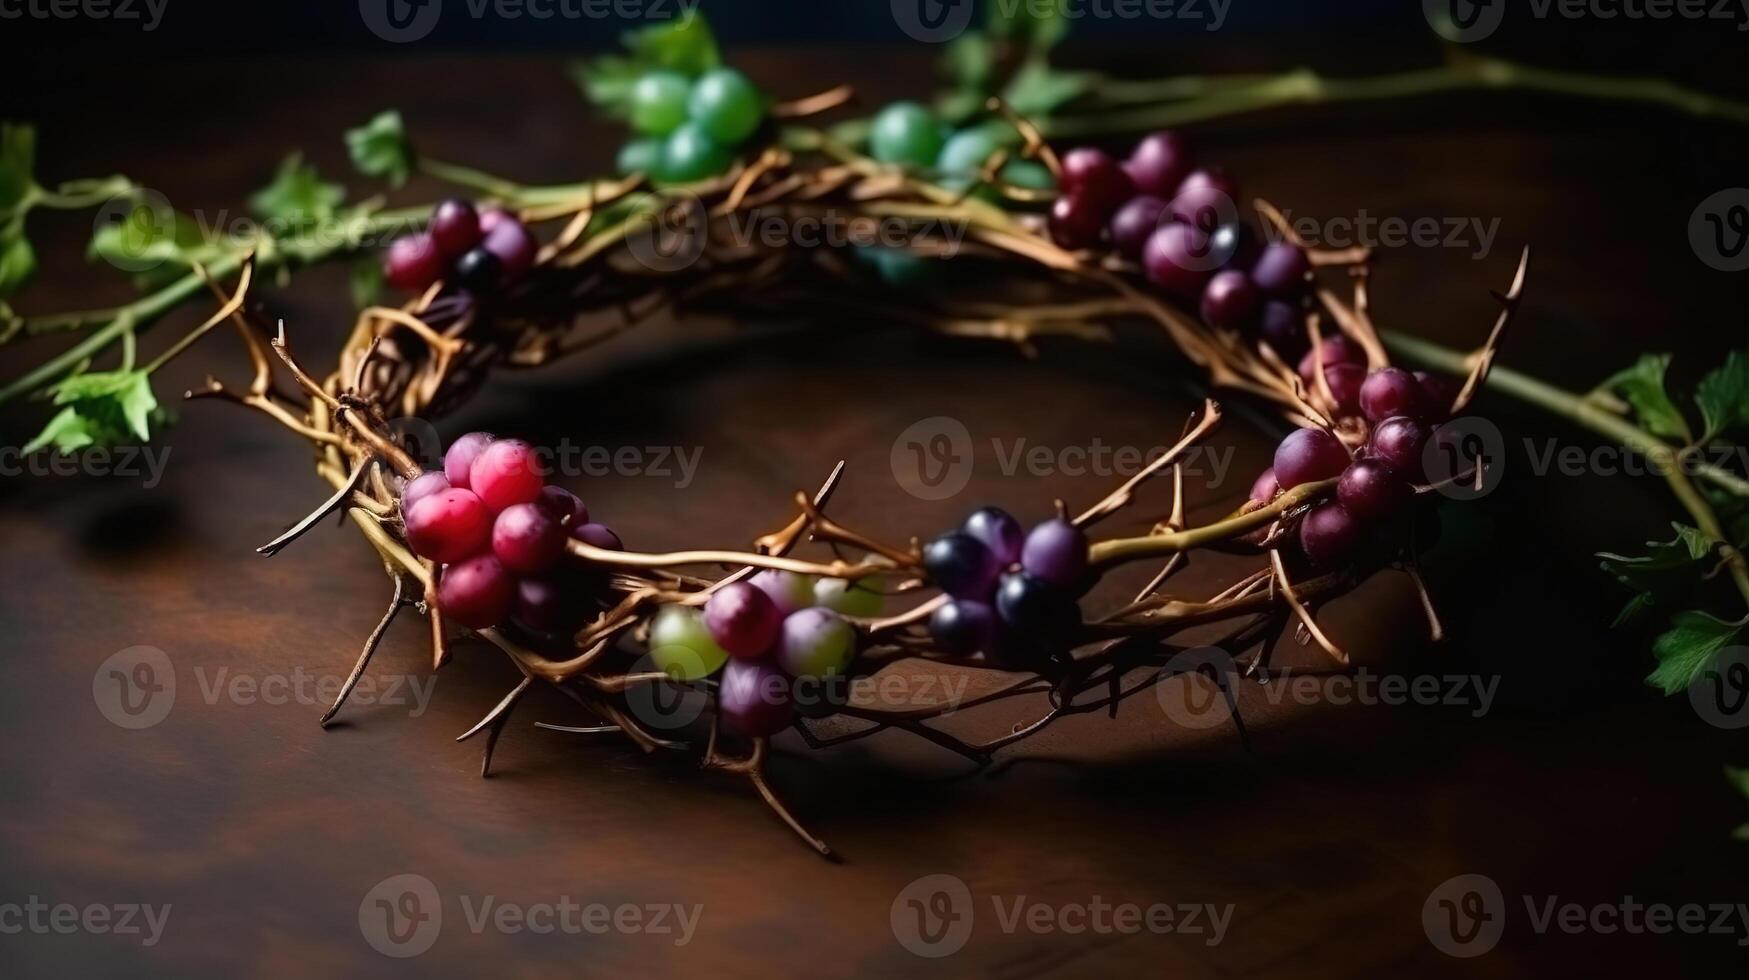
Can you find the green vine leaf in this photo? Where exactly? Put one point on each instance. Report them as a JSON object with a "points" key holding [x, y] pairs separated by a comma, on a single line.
{"points": [[1037, 89], [148, 239], [1723, 396], [102, 408], [380, 148], [1668, 572], [297, 196], [1643, 387], [1688, 648]]}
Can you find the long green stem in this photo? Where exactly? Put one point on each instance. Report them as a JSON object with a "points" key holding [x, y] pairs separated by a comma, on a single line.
{"points": [[1590, 414]]}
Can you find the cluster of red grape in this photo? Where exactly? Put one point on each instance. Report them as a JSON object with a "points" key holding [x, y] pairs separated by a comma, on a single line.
{"points": [[1404, 411], [769, 635], [1182, 224], [689, 128], [499, 531], [1012, 593], [476, 251]]}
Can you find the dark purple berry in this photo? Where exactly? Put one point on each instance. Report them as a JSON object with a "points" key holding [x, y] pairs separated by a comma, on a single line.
{"points": [[960, 565], [1056, 552], [1139, 217], [1389, 392], [1159, 163], [1177, 259], [1308, 456], [1328, 535], [1091, 174], [964, 627], [455, 227], [998, 531], [1230, 301], [1282, 269], [1075, 223], [1370, 490], [1398, 443]]}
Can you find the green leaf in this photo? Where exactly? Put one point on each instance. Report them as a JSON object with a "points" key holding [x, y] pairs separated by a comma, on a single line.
{"points": [[1037, 25], [366, 280], [380, 148], [17, 164], [684, 44], [1723, 396], [67, 431], [1643, 387], [297, 196], [17, 260], [147, 238], [1687, 649], [1037, 89], [102, 409], [1669, 568]]}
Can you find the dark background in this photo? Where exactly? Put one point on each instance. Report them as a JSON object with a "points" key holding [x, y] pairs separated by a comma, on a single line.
{"points": [[263, 831]]}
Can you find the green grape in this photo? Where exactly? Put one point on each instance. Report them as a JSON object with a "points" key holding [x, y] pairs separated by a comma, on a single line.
{"points": [[726, 104], [841, 596], [659, 102], [639, 156], [689, 153], [965, 151], [905, 133], [1029, 174], [681, 646], [815, 643]]}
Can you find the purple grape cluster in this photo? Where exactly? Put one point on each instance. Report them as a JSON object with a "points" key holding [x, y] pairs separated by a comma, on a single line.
{"points": [[1012, 592], [499, 530], [476, 251], [1373, 486], [1182, 224]]}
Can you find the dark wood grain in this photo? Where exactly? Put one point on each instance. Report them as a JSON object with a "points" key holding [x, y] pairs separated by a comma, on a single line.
{"points": [[264, 832]]}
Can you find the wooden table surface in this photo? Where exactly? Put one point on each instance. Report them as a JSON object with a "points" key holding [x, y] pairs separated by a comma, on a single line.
{"points": [[264, 833]]}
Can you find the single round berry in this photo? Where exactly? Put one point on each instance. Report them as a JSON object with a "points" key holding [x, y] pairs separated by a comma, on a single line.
{"points": [[1091, 174], [1398, 443], [960, 565], [1331, 350], [1159, 163], [1265, 487], [1075, 223], [1177, 259], [597, 536], [477, 592], [966, 151], [549, 605], [477, 271], [742, 619], [682, 647], [1056, 552], [1345, 381], [788, 591], [815, 643], [997, 530], [413, 263], [754, 699], [448, 525], [511, 243], [1207, 199], [421, 487], [1283, 326], [848, 598], [1438, 394], [458, 462], [1230, 301], [1389, 392], [1040, 613], [1309, 456], [1235, 244], [455, 227], [691, 153], [1370, 490], [1281, 269], [658, 102], [563, 506], [1328, 535], [507, 472], [964, 626], [639, 156], [726, 104], [905, 133], [527, 539], [1138, 218]]}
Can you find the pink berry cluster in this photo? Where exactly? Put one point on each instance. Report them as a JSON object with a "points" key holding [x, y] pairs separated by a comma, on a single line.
{"points": [[476, 251], [1182, 224], [499, 530], [1404, 411]]}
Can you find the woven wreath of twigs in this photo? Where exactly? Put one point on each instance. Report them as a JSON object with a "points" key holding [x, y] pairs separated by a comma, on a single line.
{"points": [[427, 356]]}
